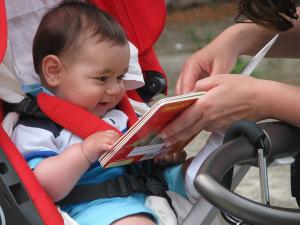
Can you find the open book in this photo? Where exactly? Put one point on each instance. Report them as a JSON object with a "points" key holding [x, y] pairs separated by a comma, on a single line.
{"points": [[141, 141]]}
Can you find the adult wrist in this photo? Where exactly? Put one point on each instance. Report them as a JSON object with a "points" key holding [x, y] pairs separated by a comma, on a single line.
{"points": [[249, 37], [267, 99]]}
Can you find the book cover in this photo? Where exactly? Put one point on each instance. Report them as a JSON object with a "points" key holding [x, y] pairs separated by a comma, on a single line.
{"points": [[141, 141]]}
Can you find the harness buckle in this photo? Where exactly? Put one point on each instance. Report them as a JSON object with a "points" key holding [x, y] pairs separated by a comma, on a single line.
{"points": [[122, 186], [153, 187]]}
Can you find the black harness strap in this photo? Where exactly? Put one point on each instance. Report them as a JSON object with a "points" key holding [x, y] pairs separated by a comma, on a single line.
{"points": [[121, 186]]}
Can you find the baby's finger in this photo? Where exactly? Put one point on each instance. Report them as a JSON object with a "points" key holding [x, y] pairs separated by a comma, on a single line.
{"points": [[179, 157], [106, 147], [112, 133]]}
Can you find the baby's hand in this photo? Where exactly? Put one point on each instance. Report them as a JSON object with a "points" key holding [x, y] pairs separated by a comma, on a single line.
{"points": [[97, 143], [170, 158]]}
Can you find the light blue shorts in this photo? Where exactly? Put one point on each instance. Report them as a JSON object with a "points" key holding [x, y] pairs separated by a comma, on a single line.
{"points": [[107, 210]]}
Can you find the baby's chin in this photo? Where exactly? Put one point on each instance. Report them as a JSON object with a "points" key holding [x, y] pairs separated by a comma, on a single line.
{"points": [[99, 113], [101, 110]]}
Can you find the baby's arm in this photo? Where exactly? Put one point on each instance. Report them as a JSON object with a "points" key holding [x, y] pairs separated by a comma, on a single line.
{"points": [[59, 174]]}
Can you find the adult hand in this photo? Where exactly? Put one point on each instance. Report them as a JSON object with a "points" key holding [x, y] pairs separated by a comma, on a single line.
{"points": [[217, 57], [228, 98]]}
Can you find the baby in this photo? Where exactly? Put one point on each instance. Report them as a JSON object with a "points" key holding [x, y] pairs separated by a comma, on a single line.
{"points": [[81, 55]]}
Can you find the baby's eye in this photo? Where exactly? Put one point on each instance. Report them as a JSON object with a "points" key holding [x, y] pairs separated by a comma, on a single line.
{"points": [[121, 77], [102, 78]]}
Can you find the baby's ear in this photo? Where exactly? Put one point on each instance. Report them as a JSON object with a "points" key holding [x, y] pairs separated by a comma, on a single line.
{"points": [[52, 70]]}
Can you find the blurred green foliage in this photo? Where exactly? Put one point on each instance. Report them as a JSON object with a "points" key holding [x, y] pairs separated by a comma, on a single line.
{"points": [[240, 64]]}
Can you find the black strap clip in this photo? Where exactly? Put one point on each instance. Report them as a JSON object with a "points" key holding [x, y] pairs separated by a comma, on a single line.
{"points": [[122, 186], [154, 187]]}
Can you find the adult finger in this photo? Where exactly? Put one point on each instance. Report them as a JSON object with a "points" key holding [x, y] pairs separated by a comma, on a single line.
{"points": [[177, 87], [186, 119], [206, 84], [188, 77]]}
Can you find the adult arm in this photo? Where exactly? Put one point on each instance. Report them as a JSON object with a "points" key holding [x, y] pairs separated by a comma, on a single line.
{"points": [[220, 55]]}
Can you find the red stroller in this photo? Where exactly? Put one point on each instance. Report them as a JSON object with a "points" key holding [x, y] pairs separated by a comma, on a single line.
{"points": [[23, 201]]}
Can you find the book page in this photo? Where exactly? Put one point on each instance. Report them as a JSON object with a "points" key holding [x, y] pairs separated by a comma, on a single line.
{"points": [[251, 65]]}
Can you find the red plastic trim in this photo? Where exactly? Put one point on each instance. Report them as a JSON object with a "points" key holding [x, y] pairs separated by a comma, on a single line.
{"points": [[3, 30], [43, 203]]}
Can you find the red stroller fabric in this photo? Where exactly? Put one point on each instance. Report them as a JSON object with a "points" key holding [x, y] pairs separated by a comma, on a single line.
{"points": [[143, 22], [3, 30]]}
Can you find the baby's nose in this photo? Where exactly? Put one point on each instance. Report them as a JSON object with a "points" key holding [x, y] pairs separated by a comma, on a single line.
{"points": [[113, 89]]}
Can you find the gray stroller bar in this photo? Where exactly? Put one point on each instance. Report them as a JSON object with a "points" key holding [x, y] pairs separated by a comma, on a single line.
{"points": [[283, 140]]}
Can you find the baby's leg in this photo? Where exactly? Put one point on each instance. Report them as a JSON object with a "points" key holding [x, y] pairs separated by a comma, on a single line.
{"points": [[134, 219]]}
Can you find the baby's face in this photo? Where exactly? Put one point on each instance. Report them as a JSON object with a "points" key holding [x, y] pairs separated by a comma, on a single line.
{"points": [[93, 79]]}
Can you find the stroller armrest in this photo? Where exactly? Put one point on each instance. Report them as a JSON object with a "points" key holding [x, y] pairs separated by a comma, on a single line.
{"points": [[155, 84]]}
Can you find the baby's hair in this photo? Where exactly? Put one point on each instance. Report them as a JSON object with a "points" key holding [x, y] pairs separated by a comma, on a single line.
{"points": [[274, 14], [68, 25]]}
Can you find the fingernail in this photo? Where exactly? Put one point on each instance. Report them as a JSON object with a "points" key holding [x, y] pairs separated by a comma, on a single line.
{"points": [[109, 147]]}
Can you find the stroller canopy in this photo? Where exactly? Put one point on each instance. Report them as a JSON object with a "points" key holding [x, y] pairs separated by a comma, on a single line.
{"points": [[143, 22]]}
